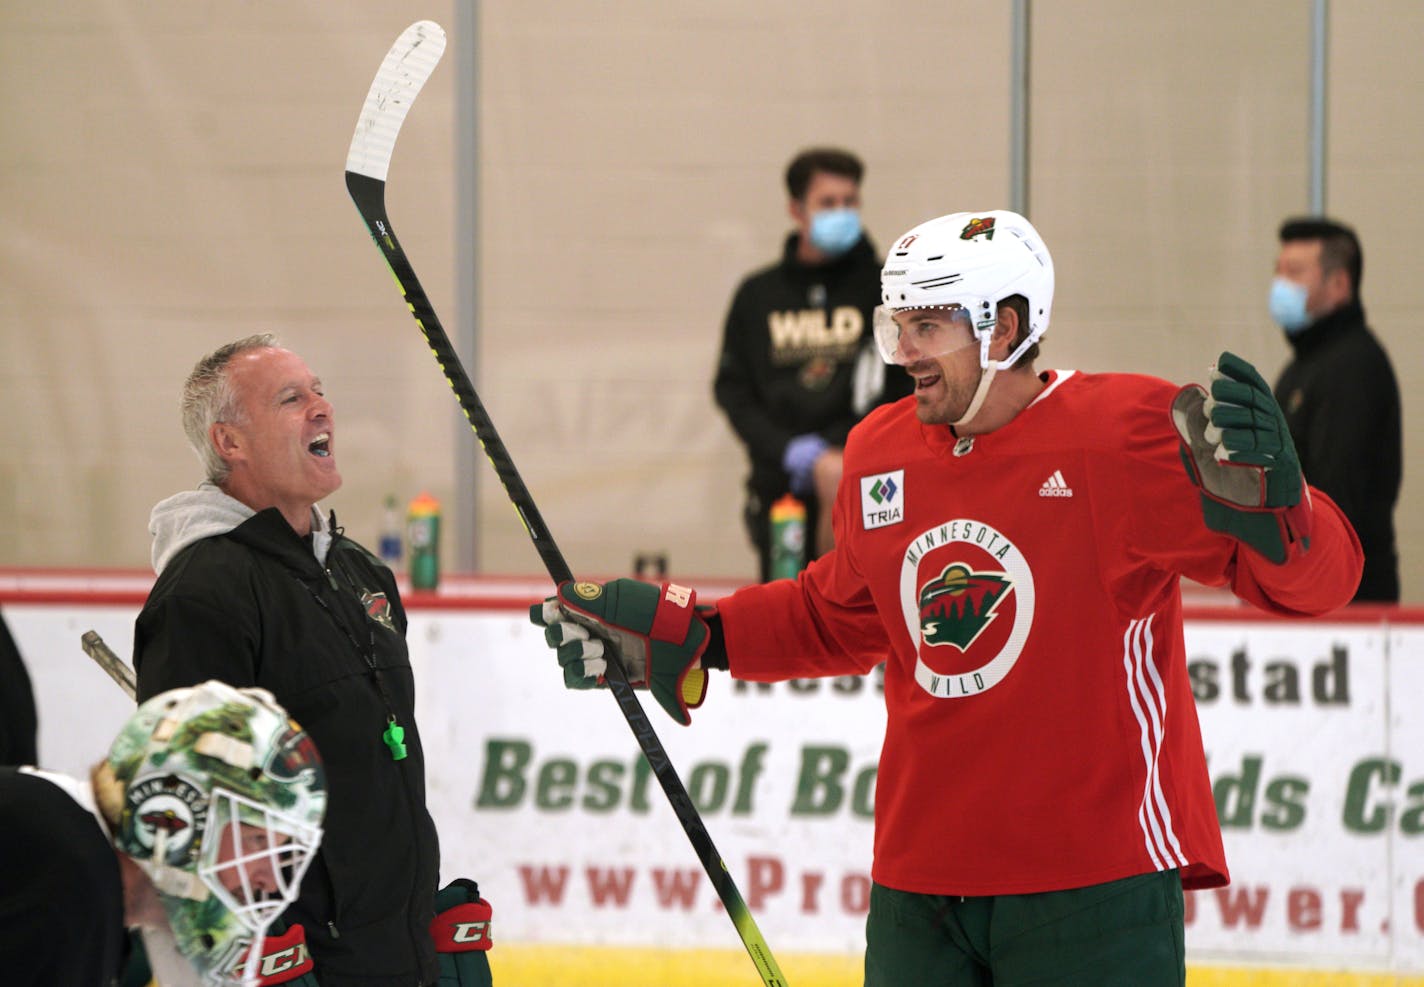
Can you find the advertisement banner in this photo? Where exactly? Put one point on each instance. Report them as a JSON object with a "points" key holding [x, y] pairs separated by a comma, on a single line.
{"points": [[1316, 755], [1311, 773], [560, 816]]}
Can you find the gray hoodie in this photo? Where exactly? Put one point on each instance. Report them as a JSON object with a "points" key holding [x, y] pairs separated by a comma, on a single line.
{"points": [[193, 515]]}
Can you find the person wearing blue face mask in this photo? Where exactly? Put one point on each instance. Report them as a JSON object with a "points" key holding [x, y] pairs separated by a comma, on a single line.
{"points": [[797, 366], [1339, 393]]}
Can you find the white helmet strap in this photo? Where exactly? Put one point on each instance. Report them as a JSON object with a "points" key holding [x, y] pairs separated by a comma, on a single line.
{"points": [[981, 392], [986, 331]]}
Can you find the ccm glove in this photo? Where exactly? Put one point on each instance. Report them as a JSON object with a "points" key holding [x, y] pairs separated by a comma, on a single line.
{"points": [[658, 630], [461, 931], [285, 959], [799, 460], [1238, 451]]}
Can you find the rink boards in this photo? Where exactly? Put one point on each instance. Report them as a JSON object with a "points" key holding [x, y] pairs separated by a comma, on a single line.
{"points": [[1316, 753]]}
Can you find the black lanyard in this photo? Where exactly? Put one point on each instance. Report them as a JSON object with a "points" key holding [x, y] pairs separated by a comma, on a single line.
{"points": [[394, 734]]}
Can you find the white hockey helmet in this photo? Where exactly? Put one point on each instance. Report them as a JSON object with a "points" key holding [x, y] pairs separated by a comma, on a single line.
{"points": [[222, 802], [969, 262]]}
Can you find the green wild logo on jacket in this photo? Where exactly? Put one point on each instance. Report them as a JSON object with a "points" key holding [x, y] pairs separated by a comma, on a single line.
{"points": [[378, 608]]}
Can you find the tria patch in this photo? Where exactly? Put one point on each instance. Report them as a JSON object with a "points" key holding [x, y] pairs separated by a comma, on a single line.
{"points": [[882, 499], [378, 608]]}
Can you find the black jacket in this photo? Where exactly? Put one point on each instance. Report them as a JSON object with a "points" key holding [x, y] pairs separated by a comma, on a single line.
{"points": [[61, 897], [790, 347], [1341, 402], [254, 607], [19, 725]]}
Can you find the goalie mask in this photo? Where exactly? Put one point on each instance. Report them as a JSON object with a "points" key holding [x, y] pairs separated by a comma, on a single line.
{"points": [[223, 798], [966, 264]]}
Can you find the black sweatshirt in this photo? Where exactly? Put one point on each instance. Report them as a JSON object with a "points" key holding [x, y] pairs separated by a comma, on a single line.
{"points": [[1341, 402], [790, 346], [61, 897]]}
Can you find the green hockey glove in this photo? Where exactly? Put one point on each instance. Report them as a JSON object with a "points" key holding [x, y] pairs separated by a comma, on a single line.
{"points": [[659, 630], [1237, 449], [462, 933]]}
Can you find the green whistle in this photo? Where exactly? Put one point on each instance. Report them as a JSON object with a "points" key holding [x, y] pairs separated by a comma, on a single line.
{"points": [[394, 738]]}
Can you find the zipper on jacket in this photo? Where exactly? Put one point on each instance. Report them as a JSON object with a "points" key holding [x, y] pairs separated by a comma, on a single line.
{"points": [[393, 735], [414, 900]]}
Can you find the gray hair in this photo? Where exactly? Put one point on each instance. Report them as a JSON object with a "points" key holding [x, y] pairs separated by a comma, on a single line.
{"points": [[208, 398]]}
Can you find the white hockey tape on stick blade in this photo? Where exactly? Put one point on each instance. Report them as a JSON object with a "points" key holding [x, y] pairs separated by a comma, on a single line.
{"points": [[398, 81]]}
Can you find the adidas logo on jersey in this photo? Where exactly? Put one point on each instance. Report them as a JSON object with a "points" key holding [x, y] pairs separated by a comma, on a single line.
{"points": [[1055, 486]]}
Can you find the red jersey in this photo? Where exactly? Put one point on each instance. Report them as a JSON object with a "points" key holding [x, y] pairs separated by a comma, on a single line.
{"points": [[1022, 587]]}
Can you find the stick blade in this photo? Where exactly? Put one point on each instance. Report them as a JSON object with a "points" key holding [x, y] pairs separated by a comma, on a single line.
{"points": [[403, 72]]}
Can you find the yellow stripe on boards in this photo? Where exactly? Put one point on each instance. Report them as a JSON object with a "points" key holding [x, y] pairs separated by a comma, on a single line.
{"points": [[1214, 976], [601, 966], [606, 966]]}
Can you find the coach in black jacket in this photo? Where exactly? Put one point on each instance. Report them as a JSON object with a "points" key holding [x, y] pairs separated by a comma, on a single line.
{"points": [[256, 588], [1339, 394]]}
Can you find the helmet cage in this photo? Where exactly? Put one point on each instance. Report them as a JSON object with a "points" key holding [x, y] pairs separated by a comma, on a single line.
{"points": [[250, 843]]}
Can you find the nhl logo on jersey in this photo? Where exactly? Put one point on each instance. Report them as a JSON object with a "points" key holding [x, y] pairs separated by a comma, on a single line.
{"points": [[966, 593], [882, 499]]}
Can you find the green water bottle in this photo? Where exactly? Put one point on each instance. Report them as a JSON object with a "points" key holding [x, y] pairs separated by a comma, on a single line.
{"points": [[423, 541], [788, 537]]}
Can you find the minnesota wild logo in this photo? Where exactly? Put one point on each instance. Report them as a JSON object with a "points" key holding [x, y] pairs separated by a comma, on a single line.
{"points": [[958, 604], [378, 608], [816, 373], [294, 756], [166, 809], [957, 578], [980, 226]]}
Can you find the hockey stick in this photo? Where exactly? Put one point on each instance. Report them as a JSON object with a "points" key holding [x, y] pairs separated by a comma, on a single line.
{"points": [[404, 71], [105, 658]]}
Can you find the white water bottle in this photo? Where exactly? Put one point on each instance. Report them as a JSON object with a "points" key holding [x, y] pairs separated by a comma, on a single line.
{"points": [[390, 542]]}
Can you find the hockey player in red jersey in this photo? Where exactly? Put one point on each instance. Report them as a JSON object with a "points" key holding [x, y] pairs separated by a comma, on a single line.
{"points": [[1010, 542]]}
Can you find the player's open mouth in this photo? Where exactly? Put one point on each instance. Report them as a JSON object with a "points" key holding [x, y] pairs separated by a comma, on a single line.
{"points": [[924, 383], [321, 445]]}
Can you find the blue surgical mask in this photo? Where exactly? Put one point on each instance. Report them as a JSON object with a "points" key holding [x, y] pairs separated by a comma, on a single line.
{"points": [[1288, 305], [834, 231]]}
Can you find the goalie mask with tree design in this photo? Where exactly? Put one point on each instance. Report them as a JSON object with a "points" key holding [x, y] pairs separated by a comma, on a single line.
{"points": [[222, 798]]}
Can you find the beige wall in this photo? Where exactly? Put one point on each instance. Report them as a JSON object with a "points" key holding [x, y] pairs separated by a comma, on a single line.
{"points": [[170, 179]]}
